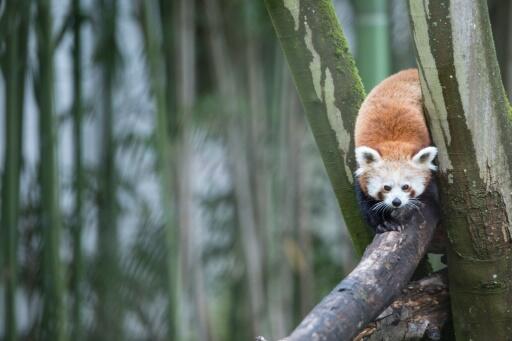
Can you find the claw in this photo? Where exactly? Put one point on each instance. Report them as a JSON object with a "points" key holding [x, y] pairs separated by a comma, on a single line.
{"points": [[381, 229], [389, 226], [392, 226]]}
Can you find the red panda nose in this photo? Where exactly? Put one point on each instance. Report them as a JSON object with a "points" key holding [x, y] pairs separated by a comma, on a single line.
{"points": [[396, 202]]}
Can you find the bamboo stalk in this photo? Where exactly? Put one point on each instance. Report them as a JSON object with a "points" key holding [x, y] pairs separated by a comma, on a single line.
{"points": [[53, 310], [109, 307], [78, 266], [14, 74], [373, 54], [158, 78]]}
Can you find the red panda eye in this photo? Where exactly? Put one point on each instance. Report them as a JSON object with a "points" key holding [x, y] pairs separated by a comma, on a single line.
{"points": [[387, 188], [405, 187]]}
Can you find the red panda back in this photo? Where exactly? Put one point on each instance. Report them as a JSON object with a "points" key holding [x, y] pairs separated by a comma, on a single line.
{"points": [[391, 118]]}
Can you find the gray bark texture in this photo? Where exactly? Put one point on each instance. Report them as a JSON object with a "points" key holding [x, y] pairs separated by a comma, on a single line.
{"points": [[470, 121], [386, 267], [420, 313]]}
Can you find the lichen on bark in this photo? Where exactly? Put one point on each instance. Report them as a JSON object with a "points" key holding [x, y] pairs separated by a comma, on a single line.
{"points": [[330, 90], [468, 114]]}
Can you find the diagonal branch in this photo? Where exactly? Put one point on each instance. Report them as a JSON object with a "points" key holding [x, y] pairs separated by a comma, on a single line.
{"points": [[386, 267], [420, 313], [330, 91]]}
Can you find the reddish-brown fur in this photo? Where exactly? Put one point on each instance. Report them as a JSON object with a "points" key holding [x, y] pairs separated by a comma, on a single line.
{"points": [[391, 118]]}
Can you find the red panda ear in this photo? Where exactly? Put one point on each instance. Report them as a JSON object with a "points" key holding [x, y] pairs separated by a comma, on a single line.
{"points": [[366, 156], [424, 158]]}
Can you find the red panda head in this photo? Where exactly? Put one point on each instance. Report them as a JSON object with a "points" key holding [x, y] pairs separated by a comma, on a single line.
{"points": [[394, 182]]}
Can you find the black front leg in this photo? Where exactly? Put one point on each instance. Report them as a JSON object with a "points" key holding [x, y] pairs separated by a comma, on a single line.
{"points": [[380, 221], [389, 225]]}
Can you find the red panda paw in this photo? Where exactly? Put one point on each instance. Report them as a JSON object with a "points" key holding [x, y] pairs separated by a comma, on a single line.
{"points": [[388, 226]]}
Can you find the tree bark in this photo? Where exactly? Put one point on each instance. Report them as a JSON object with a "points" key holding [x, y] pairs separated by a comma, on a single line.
{"points": [[420, 313], [500, 13], [470, 121], [330, 90], [386, 267]]}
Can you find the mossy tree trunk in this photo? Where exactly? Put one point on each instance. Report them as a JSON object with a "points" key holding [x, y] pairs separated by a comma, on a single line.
{"points": [[53, 294], [471, 124], [330, 90]]}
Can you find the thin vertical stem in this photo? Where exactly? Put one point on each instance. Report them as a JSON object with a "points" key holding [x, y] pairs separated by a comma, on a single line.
{"points": [[12, 159], [109, 310], [152, 27], [373, 56], [76, 333], [53, 313]]}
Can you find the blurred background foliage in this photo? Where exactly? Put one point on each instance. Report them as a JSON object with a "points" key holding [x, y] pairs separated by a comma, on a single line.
{"points": [[159, 181]]}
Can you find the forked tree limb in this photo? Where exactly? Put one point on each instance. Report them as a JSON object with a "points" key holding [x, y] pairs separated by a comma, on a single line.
{"points": [[420, 313], [386, 267]]}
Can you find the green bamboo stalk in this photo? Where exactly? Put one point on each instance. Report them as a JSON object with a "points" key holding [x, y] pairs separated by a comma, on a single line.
{"points": [[14, 74], [109, 312], [373, 56], [152, 29], [331, 93], [471, 125], [167, 20], [78, 267], [53, 310]]}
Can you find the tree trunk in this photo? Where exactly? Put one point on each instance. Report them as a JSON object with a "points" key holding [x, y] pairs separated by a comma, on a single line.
{"points": [[470, 121], [330, 90], [53, 309], [500, 13]]}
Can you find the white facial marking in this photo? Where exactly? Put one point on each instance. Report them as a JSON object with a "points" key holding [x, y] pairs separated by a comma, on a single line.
{"points": [[396, 174]]}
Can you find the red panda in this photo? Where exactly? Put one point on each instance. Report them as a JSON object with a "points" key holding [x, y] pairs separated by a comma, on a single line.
{"points": [[393, 152]]}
